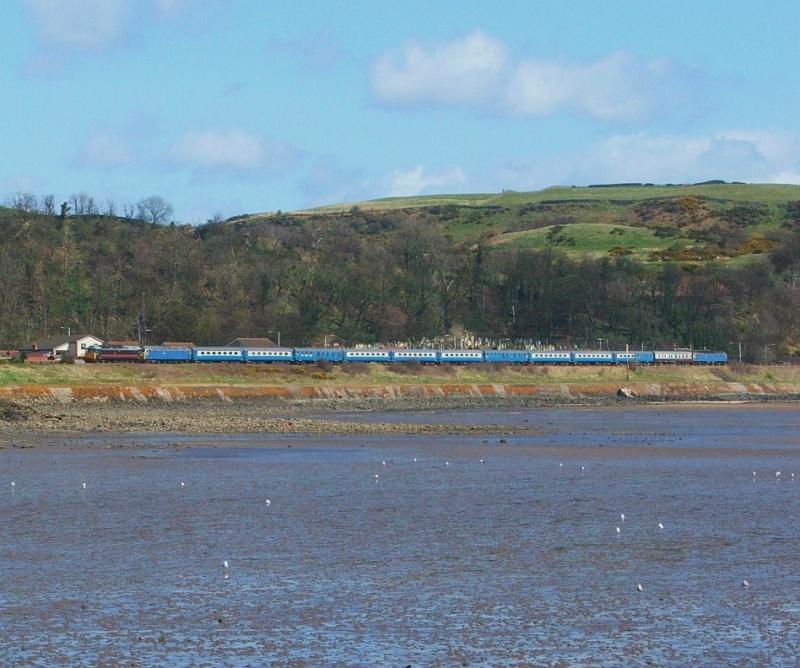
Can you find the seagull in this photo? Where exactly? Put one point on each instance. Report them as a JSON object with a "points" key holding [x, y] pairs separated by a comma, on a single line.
{"points": [[754, 474], [447, 463], [583, 468], [745, 583], [483, 461], [639, 587], [619, 530], [777, 474], [376, 476], [13, 484], [384, 462], [83, 484], [660, 526], [561, 465], [415, 460], [792, 475], [225, 564], [183, 484], [268, 502], [622, 516]]}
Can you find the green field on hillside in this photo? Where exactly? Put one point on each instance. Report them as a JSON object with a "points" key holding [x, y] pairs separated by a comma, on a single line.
{"points": [[733, 222], [592, 239], [770, 194]]}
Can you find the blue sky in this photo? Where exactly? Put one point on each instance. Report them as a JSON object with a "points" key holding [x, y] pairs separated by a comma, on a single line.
{"points": [[226, 106]]}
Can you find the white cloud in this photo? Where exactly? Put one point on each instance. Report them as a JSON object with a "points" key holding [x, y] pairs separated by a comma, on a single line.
{"points": [[231, 149], [734, 155], [106, 149], [88, 25], [478, 72], [418, 180], [67, 29], [462, 72], [328, 181]]}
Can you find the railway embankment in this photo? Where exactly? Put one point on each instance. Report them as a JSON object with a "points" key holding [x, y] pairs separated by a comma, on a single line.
{"points": [[147, 384], [544, 393]]}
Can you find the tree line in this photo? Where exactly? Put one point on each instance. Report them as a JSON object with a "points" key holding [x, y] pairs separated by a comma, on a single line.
{"points": [[366, 277]]}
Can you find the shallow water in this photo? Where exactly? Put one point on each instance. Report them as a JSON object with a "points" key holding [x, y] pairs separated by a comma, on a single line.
{"points": [[513, 561]]}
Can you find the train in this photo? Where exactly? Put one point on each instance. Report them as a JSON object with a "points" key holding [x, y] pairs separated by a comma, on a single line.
{"points": [[229, 354]]}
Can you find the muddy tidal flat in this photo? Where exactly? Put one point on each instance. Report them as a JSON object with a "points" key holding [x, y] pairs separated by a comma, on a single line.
{"points": [[427, 548]]}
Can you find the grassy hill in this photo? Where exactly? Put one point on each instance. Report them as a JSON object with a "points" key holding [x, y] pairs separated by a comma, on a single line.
{"points": [[773, 194], [652, 223]]}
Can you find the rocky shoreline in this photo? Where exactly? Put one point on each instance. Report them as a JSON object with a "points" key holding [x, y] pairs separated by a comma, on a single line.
{"points": [[263, 409], [202, 417]]}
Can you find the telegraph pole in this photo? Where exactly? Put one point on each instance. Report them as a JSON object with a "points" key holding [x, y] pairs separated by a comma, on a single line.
{"points": [[141, 325]]}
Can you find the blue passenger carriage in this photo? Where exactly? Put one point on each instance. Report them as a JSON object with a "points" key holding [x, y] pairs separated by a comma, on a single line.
{"points": [[367, 355], [424, 356], [593, 357], [268, 355], [218, 354], [461, 356], [311, 355], [550, 357], [507, 356]]}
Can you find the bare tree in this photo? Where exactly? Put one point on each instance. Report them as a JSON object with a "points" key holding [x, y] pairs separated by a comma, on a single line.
{"points": [[83, 205], [111, 209], [24, 203], [49, 205], [154, 210], [129, 211]]}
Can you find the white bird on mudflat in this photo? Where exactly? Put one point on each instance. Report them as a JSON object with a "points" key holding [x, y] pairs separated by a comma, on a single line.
{"points": [[639, 587], [183, 484], [561, 465], [447, 463], [13, 484], [619, 530], [415, 460], [660, 526], [384, 462], [225, 563], [754, 474], [745, 583], [376, 476], [622, 516], [777, 474], [83, 484], [268, 502], [583, 468], [483, 461]]}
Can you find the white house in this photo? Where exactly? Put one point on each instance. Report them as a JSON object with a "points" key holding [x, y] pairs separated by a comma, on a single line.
{"points": [[71, 347]]}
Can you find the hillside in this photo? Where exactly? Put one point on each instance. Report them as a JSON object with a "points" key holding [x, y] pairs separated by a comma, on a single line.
{"points": [[773, 194], [650, 266], [692, 223]]}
